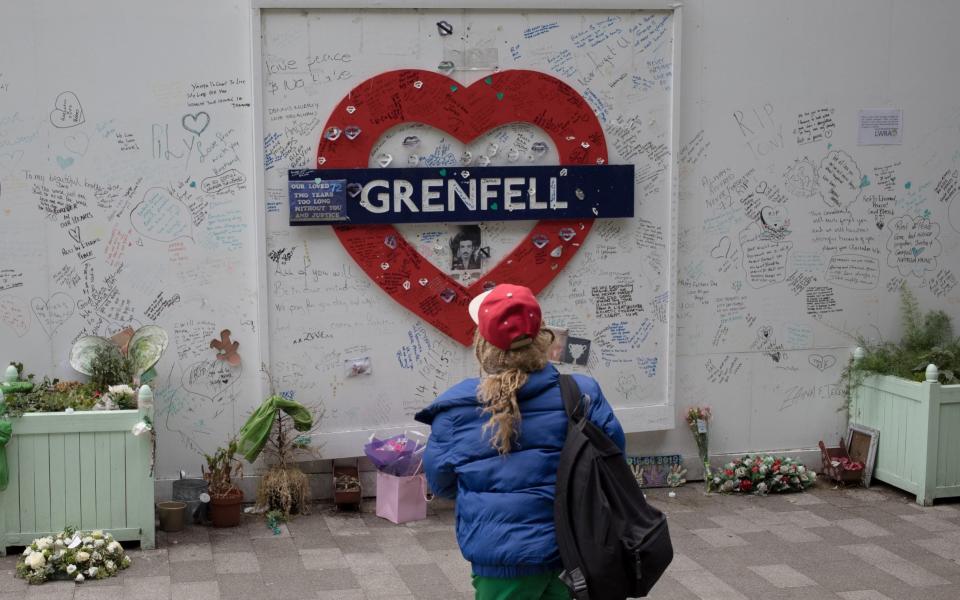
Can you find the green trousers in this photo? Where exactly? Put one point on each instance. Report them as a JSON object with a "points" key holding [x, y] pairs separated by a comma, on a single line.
{"points": [[536, 587]]}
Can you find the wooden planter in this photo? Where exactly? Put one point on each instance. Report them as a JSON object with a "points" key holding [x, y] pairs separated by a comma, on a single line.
{"points": [[85, 470], [919, 447]]}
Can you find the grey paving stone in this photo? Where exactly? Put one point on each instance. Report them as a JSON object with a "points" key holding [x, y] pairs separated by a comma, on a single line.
{"points": [[148, 563], [737, 524], [862, 528], [437, 540], [235, 562], [794, 534], [354, 594], [198, 590], [426, 581], [146, 588], [241, 585], [352, 544], [190, 552], [287, 586], [719, 537], [322, 558], [892, 564], [51, 589], [942, 547], [336, 579], [186, 572], [707, 586], [783, 576], [931, 522], [863, 595], [100, 592]]}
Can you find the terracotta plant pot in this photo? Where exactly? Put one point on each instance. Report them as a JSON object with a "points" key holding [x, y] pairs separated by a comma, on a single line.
{"points": [[225, 509]]}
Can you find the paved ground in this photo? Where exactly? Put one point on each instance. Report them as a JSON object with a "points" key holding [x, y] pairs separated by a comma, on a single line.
{"points": [[827, 544]]}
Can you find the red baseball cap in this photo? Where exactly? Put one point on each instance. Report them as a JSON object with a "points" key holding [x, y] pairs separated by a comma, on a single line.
{"points": [[508, 316]]}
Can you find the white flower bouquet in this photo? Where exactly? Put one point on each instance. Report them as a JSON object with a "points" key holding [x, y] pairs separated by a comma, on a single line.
{"points": [[72, 554]]}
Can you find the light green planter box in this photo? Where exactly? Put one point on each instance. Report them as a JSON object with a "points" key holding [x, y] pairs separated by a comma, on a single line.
{"points": [[919, 426], [85, 470]]}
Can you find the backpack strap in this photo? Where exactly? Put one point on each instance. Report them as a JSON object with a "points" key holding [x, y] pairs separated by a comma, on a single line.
{"points": [[572, 398]]}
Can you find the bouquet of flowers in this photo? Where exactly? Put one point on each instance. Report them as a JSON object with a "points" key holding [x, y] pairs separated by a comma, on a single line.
{"points": [[763, 474], [400, 455], [73, 555], [698, 418]]}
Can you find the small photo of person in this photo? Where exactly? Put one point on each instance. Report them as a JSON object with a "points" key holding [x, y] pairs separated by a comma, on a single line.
{"points": [[465, 248]]}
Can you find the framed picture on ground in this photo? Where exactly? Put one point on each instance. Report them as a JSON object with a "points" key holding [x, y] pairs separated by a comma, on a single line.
{"points": [[862, 447]]}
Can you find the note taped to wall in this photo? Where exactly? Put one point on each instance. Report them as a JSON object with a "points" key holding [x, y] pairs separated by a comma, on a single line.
{"points": [[880, 127]]}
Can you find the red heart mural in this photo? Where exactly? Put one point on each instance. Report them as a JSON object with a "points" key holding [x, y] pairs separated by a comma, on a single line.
{"points": [[414, 96]]}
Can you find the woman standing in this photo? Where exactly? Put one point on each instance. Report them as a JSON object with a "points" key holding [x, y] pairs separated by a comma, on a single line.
{"points": [[495, 446]]}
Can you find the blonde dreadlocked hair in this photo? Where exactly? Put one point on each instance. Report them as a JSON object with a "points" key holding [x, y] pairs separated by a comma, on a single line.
{"points": [[503, 373]]}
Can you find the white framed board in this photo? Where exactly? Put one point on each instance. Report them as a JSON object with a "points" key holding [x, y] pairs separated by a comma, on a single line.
{"points": [[325, 316]]}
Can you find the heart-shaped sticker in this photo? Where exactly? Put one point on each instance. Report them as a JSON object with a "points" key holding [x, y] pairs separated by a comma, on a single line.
{"points": [[465, 113]]}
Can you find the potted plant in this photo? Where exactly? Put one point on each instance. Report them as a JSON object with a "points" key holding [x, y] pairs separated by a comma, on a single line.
{"points": [[909, 391], [55, 434], [281, 429], [225, 496]]}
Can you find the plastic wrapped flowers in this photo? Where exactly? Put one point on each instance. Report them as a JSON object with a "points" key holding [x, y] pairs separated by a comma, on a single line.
{"points": [[763, 474], [72, 554]]}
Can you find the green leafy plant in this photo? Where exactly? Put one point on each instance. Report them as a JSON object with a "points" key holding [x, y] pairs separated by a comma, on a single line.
{"points": [[109, 368], [133, 352], [222, 467], [53, 395], [927, 338]]}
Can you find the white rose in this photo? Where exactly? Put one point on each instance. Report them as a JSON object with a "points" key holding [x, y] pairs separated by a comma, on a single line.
{"points": [[92, 571], [96, 534], [42, 544], [71, 569], [96, 557], [763, 468], [801, 469], [88, 540], [27, 550], [110, 565], [82, 556], [79, 578], [120, 389], [36, 561], [98, 543], [114, 547]]}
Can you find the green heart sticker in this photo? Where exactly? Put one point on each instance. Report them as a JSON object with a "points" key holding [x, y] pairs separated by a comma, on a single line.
{"points": [[443, 172], [488, 81], [453, 88], [493, 206], [499, 95]]}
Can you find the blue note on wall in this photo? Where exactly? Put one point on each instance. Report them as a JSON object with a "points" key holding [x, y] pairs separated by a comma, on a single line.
{"points": [[317, 201], [464, 194]]}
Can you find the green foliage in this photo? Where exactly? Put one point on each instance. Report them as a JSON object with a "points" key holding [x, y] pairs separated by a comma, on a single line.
{"points": [[927, 338], [110, 368], [53, 396], [222, 466]]}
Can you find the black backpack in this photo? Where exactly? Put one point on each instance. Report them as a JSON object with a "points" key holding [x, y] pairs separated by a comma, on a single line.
{"points": [[613, 544]]}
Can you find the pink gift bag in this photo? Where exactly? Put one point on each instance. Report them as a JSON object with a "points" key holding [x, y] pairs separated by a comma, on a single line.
{"points": [[401, 499]]}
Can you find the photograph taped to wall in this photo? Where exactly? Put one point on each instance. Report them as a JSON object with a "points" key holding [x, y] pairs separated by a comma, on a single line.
{"points": [[559, 346], [465, 248]]}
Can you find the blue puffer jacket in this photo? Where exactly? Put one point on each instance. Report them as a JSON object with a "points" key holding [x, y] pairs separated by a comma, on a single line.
{"points": [[505, 504]]}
